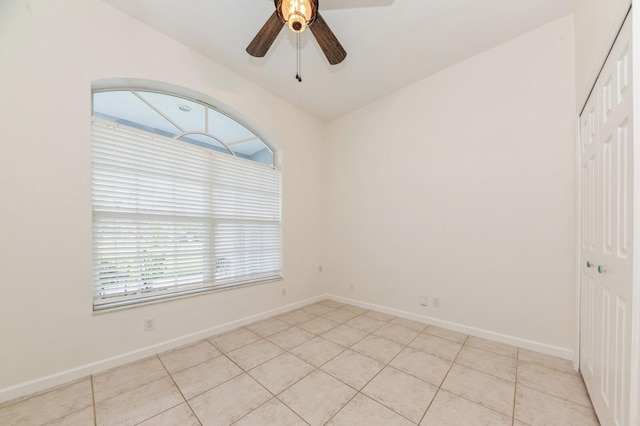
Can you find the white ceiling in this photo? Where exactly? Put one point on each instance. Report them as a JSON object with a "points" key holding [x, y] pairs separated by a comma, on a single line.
{"points": [[389, 43]]}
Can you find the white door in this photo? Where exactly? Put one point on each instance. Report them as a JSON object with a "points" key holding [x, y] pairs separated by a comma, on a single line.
{"points": [[606, 185]]}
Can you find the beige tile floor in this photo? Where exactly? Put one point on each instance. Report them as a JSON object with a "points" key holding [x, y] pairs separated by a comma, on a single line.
{"points": [[327, 363]]}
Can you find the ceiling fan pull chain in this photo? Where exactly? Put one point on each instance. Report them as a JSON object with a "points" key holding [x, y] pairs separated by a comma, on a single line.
{"points": [[298, 77]]}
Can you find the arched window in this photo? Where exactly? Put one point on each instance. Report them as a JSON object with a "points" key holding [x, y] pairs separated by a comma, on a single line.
{"points": [[185, 199]]}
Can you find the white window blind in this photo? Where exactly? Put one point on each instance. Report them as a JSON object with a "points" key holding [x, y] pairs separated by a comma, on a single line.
{"points": [[171, 218]]}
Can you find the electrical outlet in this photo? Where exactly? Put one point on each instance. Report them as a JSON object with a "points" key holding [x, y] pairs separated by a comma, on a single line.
{"points": [[436, 302], [284, 292], [424, 300], [149, 324]]}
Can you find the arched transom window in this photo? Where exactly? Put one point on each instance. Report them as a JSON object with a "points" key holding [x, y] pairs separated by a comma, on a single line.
{"points": [[182, 119]]}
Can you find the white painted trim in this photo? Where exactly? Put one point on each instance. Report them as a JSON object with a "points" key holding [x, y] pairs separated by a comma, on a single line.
{"points": [[583, 97], [564, 353], [65, 377], [578, 216], [634, 408]]}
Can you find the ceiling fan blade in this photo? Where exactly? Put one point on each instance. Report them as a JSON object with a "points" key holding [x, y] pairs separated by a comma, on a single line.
{"points": [[265, 37], [352, 4], [327, 40]]}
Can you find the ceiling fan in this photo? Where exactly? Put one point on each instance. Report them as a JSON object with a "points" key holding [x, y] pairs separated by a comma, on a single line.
{"points": [[298, 15]]}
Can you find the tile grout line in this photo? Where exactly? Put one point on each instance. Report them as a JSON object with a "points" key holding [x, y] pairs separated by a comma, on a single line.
{"points": [[559, 371], [179, 390], [67, 414], [40, 393], [191, 366], [348, 347], [23, 399], [528, 387], [230, 332], [515, 389], [556, 396], [426, 353], [494, 352], [358, 392], [265, 403], [243, 371], [367, 334], [93, 401], [260, 384], [443, 380], [345, 348], [252, 378], [419, 332], [481, 371], [311, 372], [388, 364], [343, 406], [273, 396]]}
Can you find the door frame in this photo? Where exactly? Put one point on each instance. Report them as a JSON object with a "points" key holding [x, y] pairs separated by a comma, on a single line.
{"points": [[634, 406], [578, 215], [581, 105]]}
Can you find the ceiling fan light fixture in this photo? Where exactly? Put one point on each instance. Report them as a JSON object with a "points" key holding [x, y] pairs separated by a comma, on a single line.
{"points": [[297, 23], [298, 14]]}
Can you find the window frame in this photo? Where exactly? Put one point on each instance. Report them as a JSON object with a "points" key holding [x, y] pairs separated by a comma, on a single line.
{"points": [[135, 88], [205, 286]]}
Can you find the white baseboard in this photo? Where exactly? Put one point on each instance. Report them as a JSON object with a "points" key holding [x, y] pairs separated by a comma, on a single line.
{"points": [[65, 377], [564, 353]]}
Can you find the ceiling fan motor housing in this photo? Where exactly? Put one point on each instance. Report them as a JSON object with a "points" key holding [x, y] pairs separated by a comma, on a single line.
{"points": [[297, 14], [297, 23]]}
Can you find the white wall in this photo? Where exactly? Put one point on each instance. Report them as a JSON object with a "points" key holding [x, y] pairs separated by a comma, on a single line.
{"points": [[597, 22], [462, 186], [50, 52]]}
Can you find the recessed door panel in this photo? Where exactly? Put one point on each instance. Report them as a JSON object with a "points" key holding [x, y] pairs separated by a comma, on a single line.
{"points": [[624, 183]]}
